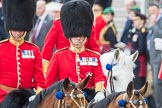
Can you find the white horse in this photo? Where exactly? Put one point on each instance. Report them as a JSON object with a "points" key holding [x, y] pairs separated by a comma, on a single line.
{"points": [[122, 69]]}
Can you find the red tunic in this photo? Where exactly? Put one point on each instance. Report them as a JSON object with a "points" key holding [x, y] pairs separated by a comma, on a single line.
{"points": [[99, 24], [63, 64], [20, 67], [55, 38]]}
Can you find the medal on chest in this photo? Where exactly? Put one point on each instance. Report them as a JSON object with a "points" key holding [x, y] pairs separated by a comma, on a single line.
{"points": [[134, 38], [91, 61], [27, 54]]}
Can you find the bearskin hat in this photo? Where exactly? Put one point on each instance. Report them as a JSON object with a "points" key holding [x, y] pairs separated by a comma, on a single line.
{"points": [[76, 18], [102, 3], [18, 14], [89, 1]]}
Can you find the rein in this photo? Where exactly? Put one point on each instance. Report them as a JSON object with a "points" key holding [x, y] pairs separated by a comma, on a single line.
{"points": [[73, 97], [109, 68]]}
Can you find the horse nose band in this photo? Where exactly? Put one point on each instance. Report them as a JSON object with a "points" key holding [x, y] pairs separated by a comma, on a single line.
{"points": [[135, 102], [80, 96]]}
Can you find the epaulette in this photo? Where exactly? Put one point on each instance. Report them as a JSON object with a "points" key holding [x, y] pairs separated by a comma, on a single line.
{"points": [[61, 49], [57, 18], [111, 24], [143, 29], [5, 40], [31, 43], [93, 51]]}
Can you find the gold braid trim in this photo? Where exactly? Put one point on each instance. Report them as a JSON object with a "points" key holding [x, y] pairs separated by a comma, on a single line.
{"points": [[103, 31], [114, 30], [99, 86], [45, 64]]}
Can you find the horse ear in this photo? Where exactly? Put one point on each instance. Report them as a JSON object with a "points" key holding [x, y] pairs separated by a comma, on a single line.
{"points": [[134, 56], [116, 54], [66, 83], [130, 89], [83, 83], [144, 89]]}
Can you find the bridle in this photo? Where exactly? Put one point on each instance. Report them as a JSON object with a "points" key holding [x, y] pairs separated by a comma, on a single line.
{"points": [[135, 102], [109, 68], [73, 96]]}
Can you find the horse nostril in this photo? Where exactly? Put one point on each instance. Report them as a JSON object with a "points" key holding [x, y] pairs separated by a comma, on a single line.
{"points": [[114, 77]]}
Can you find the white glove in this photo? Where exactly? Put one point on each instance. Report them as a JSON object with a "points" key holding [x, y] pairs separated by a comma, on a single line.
{"points": [[31, 98], [99, 96], [158, 44]]}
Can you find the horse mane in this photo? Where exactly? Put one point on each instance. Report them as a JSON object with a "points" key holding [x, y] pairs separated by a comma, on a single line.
{"points": [[106, 101], [41, 96], [16, 98]]}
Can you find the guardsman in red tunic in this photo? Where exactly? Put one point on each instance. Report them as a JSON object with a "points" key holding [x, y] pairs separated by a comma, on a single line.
{"points": [[76, 62], [56, 38], [20, 61]]}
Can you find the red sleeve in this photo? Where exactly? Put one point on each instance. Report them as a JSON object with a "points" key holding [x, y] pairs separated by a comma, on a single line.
{"points": [[52, 71], [92, 42], [38, 74], [50, 41]]}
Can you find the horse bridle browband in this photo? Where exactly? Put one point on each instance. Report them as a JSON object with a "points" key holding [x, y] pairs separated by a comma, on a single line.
{"points": [[73, 96], [134, 102]]}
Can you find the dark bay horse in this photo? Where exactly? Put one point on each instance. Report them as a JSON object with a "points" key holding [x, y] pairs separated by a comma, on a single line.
{"points": [[63, 94], [129, 99]]}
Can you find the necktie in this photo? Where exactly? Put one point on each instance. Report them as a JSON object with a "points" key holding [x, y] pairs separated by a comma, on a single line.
{"points": [[35, 30]]}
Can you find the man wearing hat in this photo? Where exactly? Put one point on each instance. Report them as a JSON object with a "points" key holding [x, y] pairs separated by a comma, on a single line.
{"points": [[76, 61], [20, 61], [55, 39], [108, 34], [137, 41], [99, 6]]}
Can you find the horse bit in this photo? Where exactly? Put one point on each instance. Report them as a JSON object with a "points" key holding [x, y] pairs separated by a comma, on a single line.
{"points": [[73, 97], [135, 102]]}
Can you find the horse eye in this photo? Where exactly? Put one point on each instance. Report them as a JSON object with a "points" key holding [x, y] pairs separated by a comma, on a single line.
{"points": [[114, 77]]}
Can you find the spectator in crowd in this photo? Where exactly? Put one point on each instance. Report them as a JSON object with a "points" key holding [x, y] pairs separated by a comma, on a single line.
{"points": [[54, 8], [43, 24], [128, 27], [154, 48], [99, 21], [108, 34], [99, 6], [21, 65], [82, 61], [55, 38], [137, 41], [128, 24]]}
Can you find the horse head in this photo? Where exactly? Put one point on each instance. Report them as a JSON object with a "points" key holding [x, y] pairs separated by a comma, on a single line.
{"points": [[73, 96], [134, 98], [118, 68], [63, 94]]}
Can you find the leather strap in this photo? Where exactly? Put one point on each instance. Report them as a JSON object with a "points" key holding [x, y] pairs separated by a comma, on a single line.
{"points": [[6, 88]]}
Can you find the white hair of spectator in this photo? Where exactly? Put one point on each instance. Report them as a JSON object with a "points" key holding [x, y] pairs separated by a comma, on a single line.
{"points": [[53, 6]]}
